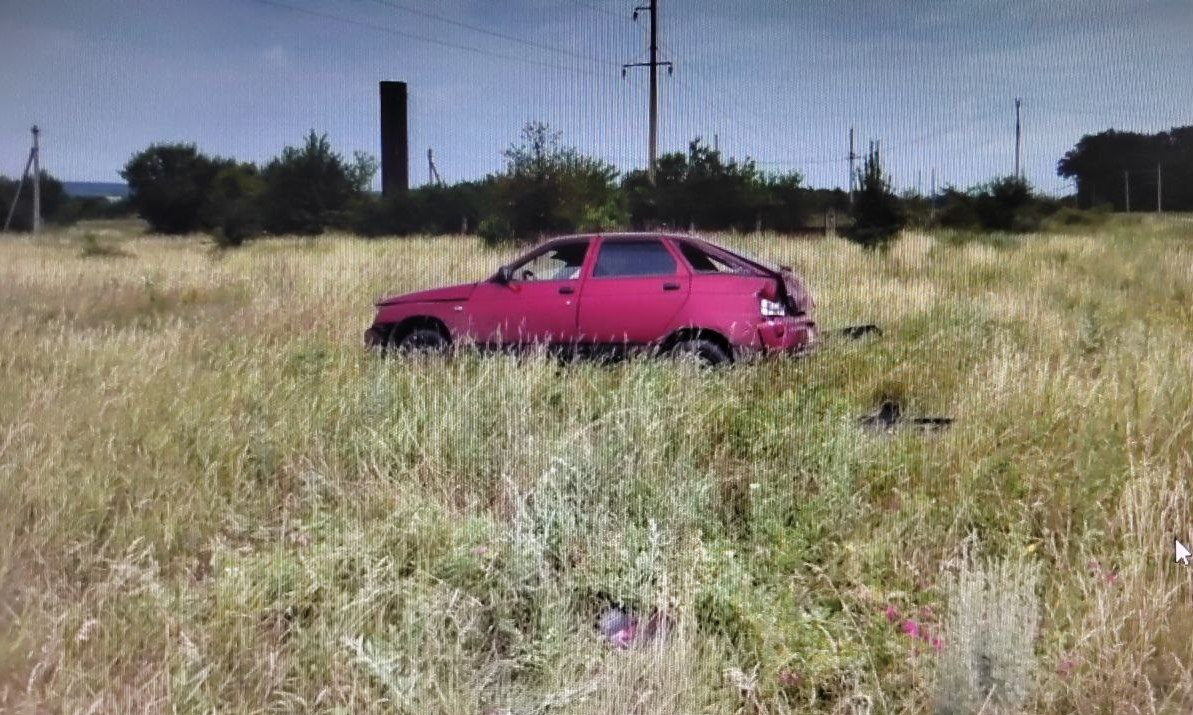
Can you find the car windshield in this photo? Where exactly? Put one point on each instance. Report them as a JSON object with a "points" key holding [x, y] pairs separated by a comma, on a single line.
{"points": [[555, 264]]}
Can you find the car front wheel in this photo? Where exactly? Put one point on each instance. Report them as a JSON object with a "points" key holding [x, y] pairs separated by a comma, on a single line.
{"points": [[420, 340], [704, 352]]}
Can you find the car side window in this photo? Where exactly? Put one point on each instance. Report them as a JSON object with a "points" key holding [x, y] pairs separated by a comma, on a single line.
{"points": [[561, 263], [634, 258], [701, 262]]}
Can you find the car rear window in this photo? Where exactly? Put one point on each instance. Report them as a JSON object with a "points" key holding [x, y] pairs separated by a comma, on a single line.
{"points": [[634, 258], [702, 262]]}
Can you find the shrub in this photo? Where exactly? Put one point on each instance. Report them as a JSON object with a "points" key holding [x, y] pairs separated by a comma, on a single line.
{"points": [[878, 216], [170, 184], [494, 230], [311, 187], [232, 206], [550, 188]]}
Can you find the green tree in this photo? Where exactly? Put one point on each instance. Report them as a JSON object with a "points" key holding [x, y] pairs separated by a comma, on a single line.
{"points": [[54, 202], [233, 204], [878, 215], [169, 185], [311, 187], [551, 188], [700, 188]]}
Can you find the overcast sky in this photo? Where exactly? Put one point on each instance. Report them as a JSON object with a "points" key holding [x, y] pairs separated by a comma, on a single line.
{"points": [[781, 82]]}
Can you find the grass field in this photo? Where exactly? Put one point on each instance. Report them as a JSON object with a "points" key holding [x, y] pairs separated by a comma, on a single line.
{"points": [[212, 499]]}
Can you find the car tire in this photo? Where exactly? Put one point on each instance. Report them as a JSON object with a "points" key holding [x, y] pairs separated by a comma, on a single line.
{"points": [[421, 341], [705, 352]]}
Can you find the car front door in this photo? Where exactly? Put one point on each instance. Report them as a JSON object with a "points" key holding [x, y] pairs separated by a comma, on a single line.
{"points": [[634, 290], [538, 305]]}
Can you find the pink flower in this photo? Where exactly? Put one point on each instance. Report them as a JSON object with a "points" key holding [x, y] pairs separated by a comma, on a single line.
{"points": [[937, 643], [624, 638], [926, 613], [1066, 666], [790, 679], [1112, 577], [892, 613], [911, 628]]}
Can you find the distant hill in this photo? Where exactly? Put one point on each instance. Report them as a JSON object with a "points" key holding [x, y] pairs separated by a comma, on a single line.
{"points": [[89, 189]]}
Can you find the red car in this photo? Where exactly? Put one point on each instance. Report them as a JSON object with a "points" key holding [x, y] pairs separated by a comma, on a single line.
{"points": [[613, 293]]}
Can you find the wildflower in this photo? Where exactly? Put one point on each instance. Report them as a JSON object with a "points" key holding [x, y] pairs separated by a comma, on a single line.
{"points": [[892, 613], [911, 628], [1066, 665], [790, 678]]}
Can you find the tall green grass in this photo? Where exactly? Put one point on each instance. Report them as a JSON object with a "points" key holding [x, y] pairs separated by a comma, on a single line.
{"points": [[214, 500]]}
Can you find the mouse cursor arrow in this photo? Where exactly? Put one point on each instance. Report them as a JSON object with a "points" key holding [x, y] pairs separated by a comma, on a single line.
{"points": [[1182, 553]]}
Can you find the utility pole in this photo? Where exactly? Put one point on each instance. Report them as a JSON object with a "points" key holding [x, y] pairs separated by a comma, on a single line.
{"points": [[852, 158], [432, 172], [1127, 190], [653, 65], [32, 161], [36, 182], [1159, 190], [1018, 135], [932, 213]]}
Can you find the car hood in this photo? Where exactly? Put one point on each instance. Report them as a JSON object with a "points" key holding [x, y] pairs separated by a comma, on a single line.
{"points": [[434, 295]]}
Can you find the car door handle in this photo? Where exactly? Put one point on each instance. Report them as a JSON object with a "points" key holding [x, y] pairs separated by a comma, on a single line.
{"points": [[670, 286], [566, 290]]}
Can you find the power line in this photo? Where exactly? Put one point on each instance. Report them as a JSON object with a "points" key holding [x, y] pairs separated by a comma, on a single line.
{"points": [[420, 38], [493, 33], [595, 8]]}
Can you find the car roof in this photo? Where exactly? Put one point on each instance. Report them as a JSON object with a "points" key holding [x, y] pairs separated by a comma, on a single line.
{"points": [[625, 236]]}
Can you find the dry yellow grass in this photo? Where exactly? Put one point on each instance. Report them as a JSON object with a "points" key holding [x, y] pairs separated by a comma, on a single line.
{"points": [[214, 500]]}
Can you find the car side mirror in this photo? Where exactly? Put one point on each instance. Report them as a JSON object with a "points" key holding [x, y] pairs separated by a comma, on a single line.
{"points": [[505, 274]]}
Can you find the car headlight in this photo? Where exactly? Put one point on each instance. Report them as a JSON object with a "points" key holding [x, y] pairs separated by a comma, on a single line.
{"points": [[772, 308]]}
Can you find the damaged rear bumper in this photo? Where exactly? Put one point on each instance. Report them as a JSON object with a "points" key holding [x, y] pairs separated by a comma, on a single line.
{"points": [[787, 334]]}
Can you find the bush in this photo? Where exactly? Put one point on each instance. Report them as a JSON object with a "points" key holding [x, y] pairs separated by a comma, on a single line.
{"points": [[550, 188], [495, 230], [702, 189], [53, 202], [170, 185], [878, 216], [310, 188], [232, 206]]}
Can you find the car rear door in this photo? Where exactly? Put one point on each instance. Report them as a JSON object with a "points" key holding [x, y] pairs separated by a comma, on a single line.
{"points": [[633, 291]]}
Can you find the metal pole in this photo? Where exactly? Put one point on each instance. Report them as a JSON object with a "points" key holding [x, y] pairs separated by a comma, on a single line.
{"points": [[654, 86], [17, 197], [1159, 189], [1017, 136], [852, 157], [1127, 190], [36, 183], [932, 214]]}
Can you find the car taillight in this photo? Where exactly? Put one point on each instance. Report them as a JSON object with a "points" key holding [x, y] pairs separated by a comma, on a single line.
{"points": [[771, 308]]}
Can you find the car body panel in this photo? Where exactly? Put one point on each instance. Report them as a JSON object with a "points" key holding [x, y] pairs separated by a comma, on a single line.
{"points": [[577, 307], [634, 310]]}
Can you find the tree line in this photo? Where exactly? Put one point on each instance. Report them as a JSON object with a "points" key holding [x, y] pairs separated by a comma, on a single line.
{"points": [[547, 187], [1118, 169]]}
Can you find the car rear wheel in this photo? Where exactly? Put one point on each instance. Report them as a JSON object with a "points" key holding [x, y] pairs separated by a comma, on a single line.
{"points": [[421, 340], [704, 352]]}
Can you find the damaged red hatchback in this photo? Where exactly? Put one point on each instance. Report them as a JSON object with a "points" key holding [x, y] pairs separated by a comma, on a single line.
{"points": [[611, 294]]}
